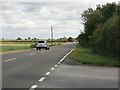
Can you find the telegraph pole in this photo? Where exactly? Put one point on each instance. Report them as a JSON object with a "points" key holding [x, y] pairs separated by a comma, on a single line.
{"points": [[52, 35]]}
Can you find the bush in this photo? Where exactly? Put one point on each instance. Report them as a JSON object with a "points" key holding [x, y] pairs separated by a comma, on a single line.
{"points": [[83, 39], [33, 45], [105, 39], [101, 29]]}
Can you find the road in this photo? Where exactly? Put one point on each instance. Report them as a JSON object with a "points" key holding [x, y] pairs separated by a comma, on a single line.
{"points": [[71, 74], [46, 69], [24, 69]]}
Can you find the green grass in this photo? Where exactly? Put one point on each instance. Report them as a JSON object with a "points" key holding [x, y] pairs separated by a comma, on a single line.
{"points": [[85, 56], [13, 48], [55, 43]]}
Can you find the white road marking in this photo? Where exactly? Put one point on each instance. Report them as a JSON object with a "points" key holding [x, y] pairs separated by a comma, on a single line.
{"points": [[65, 56], [59, 62], [32, 54], [10, 60], [52, 68], [47, 73], [43, 51], [34, 86], [41, 79], [56, 65]]}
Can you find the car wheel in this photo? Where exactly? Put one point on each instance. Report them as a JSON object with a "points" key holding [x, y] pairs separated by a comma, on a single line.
{"points": [[36, 48], [46, 48]]}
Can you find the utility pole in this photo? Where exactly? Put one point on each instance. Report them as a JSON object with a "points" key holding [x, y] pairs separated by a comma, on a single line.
{"points": [[52, 35]]}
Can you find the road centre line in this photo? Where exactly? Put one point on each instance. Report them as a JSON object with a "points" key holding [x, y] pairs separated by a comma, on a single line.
{"points": [[10, 60], [33, 87], [58, 62], [56, 65], [32, 54], [41, 79], [43, 51], [52, 68], [47, 73]]}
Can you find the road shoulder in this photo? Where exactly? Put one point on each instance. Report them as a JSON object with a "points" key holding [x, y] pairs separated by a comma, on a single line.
{"points": [[71, 74]]}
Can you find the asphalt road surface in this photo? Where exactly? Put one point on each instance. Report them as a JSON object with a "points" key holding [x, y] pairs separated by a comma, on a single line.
{"points": [[51, 69], [24, 69], [71, 74]]}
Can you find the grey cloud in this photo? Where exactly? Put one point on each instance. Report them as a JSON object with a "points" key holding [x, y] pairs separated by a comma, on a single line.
{"points": [[35, 18]]}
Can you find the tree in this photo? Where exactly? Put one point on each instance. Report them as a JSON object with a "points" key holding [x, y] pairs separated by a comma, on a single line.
{"points": [[83, 39], [70, 39], [106, 39], [101, 29], [29, 38], [19, 38], [108, 11]]}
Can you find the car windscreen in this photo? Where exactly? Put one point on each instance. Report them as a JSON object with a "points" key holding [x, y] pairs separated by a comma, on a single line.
{"points": [[41, 41]]}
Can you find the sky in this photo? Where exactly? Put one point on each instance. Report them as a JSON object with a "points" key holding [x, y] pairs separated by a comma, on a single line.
{"points": [[34, 19]]}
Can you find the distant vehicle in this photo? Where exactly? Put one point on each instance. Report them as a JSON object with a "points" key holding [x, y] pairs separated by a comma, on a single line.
{"points": [[42, 44]]}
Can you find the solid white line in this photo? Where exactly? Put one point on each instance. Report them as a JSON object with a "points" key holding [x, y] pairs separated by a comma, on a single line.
{"points": [[66, 56], [41, 79], [52, 68], [10, 60], [47, 73], [32, 54], [56, 65], [34, 86]]}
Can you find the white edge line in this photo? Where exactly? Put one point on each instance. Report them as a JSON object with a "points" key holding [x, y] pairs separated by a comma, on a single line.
{"points": [[41, 79], [34, 86], [66, 56]]}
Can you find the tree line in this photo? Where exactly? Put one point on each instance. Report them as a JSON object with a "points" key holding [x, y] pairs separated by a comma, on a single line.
{"points": [[101, 29], [30, 39]]}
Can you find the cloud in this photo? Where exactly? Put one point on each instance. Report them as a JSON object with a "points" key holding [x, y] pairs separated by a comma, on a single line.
{"points": [[35, 19]]}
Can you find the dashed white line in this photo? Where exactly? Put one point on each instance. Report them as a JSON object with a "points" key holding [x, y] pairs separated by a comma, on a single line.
{"points": [[32, 54], [34, 86], [58, 62], [52, 68], [56, 65], [41, 79], [47, 73], [43, 51], [10, 60]]}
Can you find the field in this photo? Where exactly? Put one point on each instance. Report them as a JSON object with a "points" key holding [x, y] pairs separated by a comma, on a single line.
{"points": [[86, 56], [8, 46]]}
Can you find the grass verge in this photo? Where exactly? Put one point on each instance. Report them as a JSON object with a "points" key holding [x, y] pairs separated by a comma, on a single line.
{"points": [[8, 47], [13, 48], [85, 56]]}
